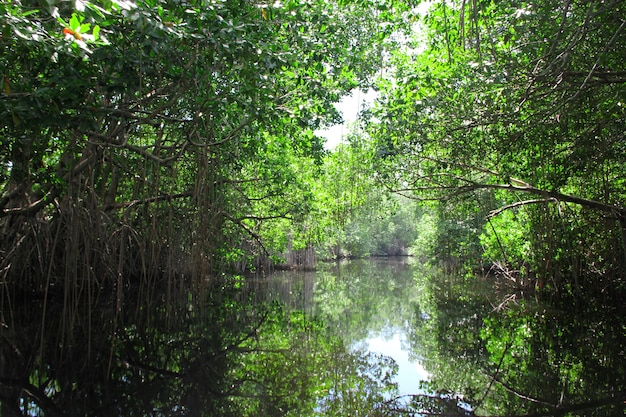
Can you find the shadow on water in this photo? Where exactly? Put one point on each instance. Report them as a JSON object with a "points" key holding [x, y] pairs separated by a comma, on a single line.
{"points": [[300, 344], [220, 354], [144, 356]]}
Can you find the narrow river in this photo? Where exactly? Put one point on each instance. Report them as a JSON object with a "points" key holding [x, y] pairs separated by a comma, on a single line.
{"points": [[379, 337], [368, 303], [466, 345]]}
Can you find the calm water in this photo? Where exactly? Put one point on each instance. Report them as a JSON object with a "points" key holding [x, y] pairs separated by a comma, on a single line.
{"points": [[382, 337], [470, 344], [368, 303]]}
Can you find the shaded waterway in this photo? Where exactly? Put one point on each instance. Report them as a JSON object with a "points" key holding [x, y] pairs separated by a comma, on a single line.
{"points": [[369, 304], [381, 337]]}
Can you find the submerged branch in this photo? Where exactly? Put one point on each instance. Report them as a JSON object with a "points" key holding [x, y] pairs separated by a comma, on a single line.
{"points": [[524, 396], [494, 377], [573, 408], [552, 410]]}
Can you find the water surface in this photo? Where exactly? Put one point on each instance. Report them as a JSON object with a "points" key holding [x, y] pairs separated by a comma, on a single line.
{"points": [[368, 303], [381, 337]]}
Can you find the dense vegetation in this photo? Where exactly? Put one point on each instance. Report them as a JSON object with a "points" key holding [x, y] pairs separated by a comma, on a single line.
{"points": [[168, 145], [514, 112], [158, 138], [155, 139]]}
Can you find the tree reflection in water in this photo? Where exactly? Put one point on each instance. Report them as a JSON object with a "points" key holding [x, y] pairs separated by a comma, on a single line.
{"points": [[215, 355], [229, 351], [533, 356]]}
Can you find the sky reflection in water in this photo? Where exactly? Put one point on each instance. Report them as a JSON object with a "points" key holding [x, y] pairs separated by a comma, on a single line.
{"points": [[368, 303], [410, 373]]}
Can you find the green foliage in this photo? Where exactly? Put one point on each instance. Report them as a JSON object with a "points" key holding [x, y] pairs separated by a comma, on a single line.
{"points": [[503, 355], [448, 234], [525, 98], [424, 245], [354, 215], [184, 132], [505, 238]]}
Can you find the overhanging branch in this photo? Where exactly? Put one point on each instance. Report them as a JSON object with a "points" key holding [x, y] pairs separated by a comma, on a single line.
{"points": [[615, 211], [496, 212]]}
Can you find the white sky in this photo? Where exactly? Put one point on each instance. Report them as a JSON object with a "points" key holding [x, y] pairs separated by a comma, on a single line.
{"points": [[349, 106], [410, 373]]}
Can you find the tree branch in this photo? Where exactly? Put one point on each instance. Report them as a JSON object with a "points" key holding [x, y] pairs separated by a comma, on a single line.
{"points": [[615, 211], [162, 197], [254, 235], [496, 212]]}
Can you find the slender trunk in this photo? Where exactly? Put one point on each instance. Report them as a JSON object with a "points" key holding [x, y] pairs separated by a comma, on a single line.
{"points": [[622, 222]]}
